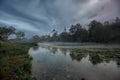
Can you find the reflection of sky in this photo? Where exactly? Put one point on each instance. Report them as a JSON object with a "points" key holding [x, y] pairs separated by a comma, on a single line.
{"points": [[50, 64], [41, 16]]}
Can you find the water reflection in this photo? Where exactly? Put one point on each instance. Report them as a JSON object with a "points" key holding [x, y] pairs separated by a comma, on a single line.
{"points": [[52, 63], [35, 48], [77, 56]]}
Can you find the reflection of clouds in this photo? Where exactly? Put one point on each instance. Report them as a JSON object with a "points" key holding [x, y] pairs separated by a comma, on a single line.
{"points": [[53, 50], [64, 50], [96, 56], [46, 64]]}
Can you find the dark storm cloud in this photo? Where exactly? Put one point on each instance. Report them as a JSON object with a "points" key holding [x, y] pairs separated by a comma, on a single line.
{"points": [[41, 16], [118, 4]]}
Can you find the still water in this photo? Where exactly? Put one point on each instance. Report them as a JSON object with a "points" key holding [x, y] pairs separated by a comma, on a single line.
{"points": [[52, 63]]}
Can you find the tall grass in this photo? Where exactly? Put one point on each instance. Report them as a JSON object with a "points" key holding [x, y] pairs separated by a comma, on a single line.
{"points": [[15, 62]]}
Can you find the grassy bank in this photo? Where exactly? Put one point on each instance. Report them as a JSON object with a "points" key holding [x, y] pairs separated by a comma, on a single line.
{"points": [[15, 62]]}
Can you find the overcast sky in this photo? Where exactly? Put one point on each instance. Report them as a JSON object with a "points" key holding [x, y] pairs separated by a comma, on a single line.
{"points": [[41, 16]]}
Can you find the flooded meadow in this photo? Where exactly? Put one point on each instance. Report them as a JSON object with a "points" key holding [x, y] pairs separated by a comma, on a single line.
{"points": [[75, 62]]}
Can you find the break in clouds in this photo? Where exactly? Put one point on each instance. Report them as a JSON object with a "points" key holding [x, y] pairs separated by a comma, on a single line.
{"points": [[41, 16]]}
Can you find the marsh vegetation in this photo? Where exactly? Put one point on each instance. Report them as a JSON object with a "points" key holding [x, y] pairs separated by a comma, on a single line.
{"points": [[75, 63], [15, 62]]}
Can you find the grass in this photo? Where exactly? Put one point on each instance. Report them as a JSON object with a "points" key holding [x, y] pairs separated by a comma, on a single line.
{"points": [[15, 62], [96, 55]]}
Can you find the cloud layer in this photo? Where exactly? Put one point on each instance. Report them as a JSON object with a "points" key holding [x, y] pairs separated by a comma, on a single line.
{"points": [[41, 16]]}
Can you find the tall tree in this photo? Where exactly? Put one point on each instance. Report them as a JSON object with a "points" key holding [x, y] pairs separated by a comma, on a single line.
{"points": [[55, 36], [65, 37], [94, 30], [78, 33], [5, 32]]}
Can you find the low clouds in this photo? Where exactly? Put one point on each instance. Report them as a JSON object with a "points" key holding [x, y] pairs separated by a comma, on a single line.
{"points": [[41, 16]]}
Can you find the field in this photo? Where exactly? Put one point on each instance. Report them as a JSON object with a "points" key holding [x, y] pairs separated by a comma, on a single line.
{"points": [[15, 62]]}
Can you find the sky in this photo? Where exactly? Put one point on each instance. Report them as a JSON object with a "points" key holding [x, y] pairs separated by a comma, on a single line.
{"points": [[41, 16]]}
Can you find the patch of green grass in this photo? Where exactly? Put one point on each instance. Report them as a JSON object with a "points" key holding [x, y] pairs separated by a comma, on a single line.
{"points": [[96, 55], [15, 62]]}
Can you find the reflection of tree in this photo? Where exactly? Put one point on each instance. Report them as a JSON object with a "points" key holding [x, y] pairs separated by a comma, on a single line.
{"points": [[77, 54], [35, 47], [63, 50], [53, 50], [118, 63], [47, 47], [95, 58]]}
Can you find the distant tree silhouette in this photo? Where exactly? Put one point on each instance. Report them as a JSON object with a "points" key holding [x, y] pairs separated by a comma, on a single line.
{"points": [[54, 36], [65, 37], [97, 32], [20, 35], [35, 38]]}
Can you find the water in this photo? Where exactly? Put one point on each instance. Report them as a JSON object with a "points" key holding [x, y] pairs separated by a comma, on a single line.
{"points": [[54, 63]]}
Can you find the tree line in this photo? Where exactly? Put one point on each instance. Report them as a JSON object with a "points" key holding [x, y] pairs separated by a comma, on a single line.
{"points": [[107, 32], [7, 31]]}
